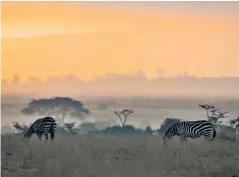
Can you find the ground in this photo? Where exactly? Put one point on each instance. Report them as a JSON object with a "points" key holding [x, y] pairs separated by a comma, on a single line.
{"points": [[117, 156]]}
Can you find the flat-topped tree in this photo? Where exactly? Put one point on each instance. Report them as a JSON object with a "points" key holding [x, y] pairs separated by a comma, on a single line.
{"points": [[125, 113], [59, 107], [213, 113]]}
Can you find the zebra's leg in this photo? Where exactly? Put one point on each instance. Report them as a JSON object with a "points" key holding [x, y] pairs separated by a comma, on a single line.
{"points": [[46, 136], [52, 134], [39, 135], [208, 138], [165, 142], [183, 139]]}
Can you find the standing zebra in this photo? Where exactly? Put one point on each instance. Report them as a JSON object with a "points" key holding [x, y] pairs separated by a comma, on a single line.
{"points": [[191, 129], [41, 126]]}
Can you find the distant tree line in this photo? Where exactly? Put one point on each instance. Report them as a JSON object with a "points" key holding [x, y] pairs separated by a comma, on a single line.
{"points": [[62, 107]]}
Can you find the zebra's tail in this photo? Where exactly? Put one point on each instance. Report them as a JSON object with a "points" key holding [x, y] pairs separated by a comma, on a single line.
{"points": [[53, 126]]}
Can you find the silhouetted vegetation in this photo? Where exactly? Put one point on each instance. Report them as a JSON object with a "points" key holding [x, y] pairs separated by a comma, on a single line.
{"points": [[69, 126], [235, 124], [87, 126], [127, 129], [148, 130], [167, 123], [125, 113], [63, 106], [59, 107], [215, 116]]}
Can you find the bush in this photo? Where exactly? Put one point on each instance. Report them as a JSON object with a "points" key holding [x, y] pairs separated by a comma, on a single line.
{"points": [[226, 132], [148, 130], [69, 126], [60, 129], [167, 123], [88, 126], [127, 129]]}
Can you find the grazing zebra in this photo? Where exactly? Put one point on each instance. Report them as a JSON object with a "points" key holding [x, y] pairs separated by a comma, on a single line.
{"points": [[41, 126], [191, 129]]}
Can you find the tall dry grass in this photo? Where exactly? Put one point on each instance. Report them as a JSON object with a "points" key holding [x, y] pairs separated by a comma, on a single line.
{"points": [[118, 156]]}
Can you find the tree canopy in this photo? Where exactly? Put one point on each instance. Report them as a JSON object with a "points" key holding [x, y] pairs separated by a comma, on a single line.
{"points": [[60, 107]]}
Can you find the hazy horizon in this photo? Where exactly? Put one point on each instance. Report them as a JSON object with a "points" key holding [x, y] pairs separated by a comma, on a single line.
{"points": [[126, 85], [161, 58]]}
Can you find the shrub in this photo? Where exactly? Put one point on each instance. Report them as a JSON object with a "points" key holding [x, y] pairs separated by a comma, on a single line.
{"points": [[148, 130], [167, 123]]}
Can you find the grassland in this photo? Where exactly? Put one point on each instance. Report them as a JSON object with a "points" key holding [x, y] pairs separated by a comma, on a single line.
{"points": [[117, 156]]}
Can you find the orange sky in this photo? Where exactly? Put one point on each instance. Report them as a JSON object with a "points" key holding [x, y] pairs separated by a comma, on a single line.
{"points": [[43, 39]]}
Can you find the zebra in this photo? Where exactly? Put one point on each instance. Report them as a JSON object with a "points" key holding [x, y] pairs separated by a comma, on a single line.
{"points": [[41, 126], [191, 129]]}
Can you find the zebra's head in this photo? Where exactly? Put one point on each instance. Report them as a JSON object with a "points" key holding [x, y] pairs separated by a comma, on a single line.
{"points": [[164, 140], [24, 138], [28, 134], [170, 132]]}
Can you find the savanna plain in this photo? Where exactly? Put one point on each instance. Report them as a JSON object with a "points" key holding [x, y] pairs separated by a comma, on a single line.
{"points": [[117, 156], [99, 155]]}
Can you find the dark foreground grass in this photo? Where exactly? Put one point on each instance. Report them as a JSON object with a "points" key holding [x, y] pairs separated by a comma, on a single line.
{"points": [[117, 156]]}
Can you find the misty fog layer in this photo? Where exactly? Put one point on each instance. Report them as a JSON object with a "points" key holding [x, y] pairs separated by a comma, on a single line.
{"points": [[126, 85], [147, 111]]}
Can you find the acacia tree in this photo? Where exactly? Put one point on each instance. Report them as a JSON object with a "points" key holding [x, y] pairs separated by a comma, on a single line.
{"points": [[213, 114], [125, 113], [60, 107]]}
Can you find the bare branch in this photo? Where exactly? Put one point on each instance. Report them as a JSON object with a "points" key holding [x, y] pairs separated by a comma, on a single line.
{"points": [[125, 112], [222, 114], [118, 115], [213, 113]]}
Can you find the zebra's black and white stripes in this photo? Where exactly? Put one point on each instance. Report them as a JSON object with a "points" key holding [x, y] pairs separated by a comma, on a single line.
{"points": [[191, 129], [42, 126]]}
